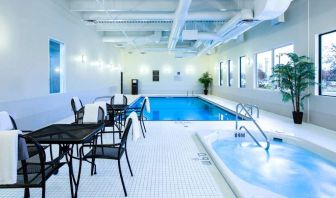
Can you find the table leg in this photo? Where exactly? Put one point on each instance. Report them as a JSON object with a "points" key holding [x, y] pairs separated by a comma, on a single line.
{"points": [[74, 182]]}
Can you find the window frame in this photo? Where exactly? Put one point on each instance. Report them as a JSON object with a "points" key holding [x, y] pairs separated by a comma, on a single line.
{"points": [[62, 65], [229, 62], [320, 63], [273, 64], [221, 74]]}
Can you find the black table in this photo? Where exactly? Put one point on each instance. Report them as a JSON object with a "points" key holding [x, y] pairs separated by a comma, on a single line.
{"points": [[66, 136]]}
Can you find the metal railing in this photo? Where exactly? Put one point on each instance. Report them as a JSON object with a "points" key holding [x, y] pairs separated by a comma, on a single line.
{"points": [[249, 116], [250, 109]]}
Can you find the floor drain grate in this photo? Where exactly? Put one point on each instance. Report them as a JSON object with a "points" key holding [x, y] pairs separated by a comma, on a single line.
{"points": [[203, 158]]}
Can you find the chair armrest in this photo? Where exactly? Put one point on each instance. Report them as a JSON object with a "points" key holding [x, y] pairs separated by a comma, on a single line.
{"points": [[101, 145]]}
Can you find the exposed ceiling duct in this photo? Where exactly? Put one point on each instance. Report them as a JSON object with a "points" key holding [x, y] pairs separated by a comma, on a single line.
{"points": [[185, 26], [180, 18], [243, 21], [195, 35], [193, 16]]}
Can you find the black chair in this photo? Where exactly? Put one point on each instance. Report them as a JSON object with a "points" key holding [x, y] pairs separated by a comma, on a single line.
{"points": [[76, 105], [13, 126], [33, 171], [100, 119], [10, 122], [81, 114], [120, 114], [140, 112], [110, 151]]}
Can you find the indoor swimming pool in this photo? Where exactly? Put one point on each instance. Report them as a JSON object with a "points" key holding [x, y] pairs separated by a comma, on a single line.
{"points": [[184, 108]]}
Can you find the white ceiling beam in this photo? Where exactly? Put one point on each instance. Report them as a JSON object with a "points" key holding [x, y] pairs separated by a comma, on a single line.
{"points": [[133, 27], [149, 5], [193, 16], [123, 5], [155, 37]]}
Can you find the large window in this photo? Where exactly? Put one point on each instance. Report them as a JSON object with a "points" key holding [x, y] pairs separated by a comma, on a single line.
{"points": [[230, 73], [264, 69], [242, 72], [328, 64], [220, 73], [56, 67], [266, 61]]}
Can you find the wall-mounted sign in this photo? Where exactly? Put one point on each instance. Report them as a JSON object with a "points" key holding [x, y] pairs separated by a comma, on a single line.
{"points": [[178, 76], [156, 75]]}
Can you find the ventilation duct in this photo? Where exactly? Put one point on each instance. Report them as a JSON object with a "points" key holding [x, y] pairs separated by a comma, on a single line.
{"points": [[243, 21], [180, 18], [188, 35]]}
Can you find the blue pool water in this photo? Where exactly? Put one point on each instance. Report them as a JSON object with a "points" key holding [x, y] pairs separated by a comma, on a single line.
{"points": [[184, 108], [287, 169]]}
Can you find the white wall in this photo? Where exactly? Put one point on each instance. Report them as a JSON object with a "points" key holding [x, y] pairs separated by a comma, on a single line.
{"points": [[25, 29], [304, 20], [140, 66]]}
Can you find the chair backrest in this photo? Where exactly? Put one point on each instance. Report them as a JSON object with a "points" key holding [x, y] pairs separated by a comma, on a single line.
{"points": [[6, 121], [115, 99], [35, 154], [76, 105], [90, 114], [103, 105], [125, 134]]}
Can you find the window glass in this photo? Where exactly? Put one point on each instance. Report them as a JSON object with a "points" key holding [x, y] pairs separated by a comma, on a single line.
{"points": [[242, 72], [264, 70], [328, 64], [280, 56], [56, 70], [220, 73]]}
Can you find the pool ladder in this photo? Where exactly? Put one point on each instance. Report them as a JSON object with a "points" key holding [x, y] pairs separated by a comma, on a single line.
{"points": [[247, 109], [192, 93]]}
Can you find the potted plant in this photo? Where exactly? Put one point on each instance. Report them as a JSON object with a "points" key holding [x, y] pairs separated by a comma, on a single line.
{"points": [[206, 79], [293, 79]]}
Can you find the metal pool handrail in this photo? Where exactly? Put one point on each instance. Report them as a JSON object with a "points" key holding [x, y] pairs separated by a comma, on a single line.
{"points": [[250, 108], [255, 123]]}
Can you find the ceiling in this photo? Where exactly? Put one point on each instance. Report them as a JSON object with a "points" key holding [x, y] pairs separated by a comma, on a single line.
{"points": [[183, 27]]}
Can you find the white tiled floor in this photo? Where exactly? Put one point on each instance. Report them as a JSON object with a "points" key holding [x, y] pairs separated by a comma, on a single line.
{"points": [[165, 164], [170, 161]]}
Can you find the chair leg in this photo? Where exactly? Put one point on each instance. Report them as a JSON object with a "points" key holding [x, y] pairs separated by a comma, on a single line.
{"points": [[129, 166], [142, 130], [93, 167], [101, 138], [51, 153], [77, 149], [43, 192], [143, 123], [121, 177], [26, 193]]}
